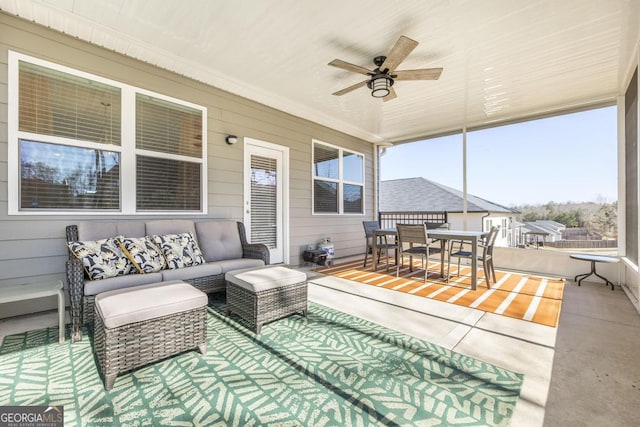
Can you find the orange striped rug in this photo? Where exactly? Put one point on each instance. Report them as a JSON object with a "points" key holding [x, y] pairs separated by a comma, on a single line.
{"points": [[527, 297]]}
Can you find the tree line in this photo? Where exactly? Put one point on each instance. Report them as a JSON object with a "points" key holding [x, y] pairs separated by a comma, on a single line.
{"points": [[598, 218]]}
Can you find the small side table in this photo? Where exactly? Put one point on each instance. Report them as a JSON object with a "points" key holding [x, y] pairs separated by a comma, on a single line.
{"points": [[594, 259], [38, 290]]}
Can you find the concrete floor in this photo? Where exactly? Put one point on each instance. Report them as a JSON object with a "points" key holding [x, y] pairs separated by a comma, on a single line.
{"points": [[595, 379], [586, 372]]}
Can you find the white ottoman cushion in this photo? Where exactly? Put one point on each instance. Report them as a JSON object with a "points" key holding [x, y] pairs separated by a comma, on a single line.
{"points": [[140, 303], [265, 278]]}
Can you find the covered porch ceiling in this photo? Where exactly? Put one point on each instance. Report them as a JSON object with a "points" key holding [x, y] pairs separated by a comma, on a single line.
{"points": [[503, 60]]}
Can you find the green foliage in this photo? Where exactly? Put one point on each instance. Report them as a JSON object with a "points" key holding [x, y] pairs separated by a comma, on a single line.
{"points": [[605, 222], [598, 218]]}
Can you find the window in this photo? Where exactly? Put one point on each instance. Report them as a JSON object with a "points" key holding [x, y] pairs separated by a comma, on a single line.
{"points": [[489, 224], [338, 180], [81, 143], [169, 148]]}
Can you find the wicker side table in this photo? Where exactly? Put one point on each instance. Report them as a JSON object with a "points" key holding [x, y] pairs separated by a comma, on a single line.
{"points": [[261, 295], [141, 325]]}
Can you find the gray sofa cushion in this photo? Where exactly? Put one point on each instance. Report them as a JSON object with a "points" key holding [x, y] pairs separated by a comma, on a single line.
{"points": [[96, 230], [219, 240], [94, 287], [91, 230], [186, 273], [170, 226], [238, 263], [130, 228]]}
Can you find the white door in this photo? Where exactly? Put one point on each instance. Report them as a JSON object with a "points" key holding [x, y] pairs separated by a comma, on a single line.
{"points": [[265, 189]]}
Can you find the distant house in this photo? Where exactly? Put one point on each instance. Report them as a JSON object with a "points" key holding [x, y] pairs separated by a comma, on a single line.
{"points": [[552, 225], [541, 231], [554, 228], [423, 195]]}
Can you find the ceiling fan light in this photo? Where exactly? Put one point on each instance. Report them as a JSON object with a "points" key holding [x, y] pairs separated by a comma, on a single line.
{"points": [[380, 86]]}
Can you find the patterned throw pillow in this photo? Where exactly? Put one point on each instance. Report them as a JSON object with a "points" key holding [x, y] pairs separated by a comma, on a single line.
{"points": [[179, 250], [143, 253], [102, 258]]}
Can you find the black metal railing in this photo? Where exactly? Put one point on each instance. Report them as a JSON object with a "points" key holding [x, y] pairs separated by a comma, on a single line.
{"points": [[390, 219]]}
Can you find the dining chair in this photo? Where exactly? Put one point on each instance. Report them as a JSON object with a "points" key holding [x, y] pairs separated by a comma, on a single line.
{"points": [[436, 226], [485, 254], [382, 243], [414, 241]]}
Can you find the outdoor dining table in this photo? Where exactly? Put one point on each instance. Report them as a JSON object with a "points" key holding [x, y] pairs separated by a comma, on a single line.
{"points": [[472, 237]]}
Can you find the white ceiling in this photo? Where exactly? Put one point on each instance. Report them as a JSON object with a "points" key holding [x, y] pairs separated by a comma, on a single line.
{"points": [[503, 59]]}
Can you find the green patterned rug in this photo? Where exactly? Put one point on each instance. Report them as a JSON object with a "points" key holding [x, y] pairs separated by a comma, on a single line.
{"points": [[327, 369]]}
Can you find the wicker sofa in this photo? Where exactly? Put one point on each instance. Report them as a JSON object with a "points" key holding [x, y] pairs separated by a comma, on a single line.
{"points": [[223, 244]]}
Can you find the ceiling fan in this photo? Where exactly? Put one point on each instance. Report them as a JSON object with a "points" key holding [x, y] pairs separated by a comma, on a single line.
{"points": [[382, 78]]}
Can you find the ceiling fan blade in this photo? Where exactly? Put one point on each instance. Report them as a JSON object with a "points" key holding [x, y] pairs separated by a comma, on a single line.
{"points": [[392, 95], [350, 67], [399, 52], [423, 74], [350, 88]]}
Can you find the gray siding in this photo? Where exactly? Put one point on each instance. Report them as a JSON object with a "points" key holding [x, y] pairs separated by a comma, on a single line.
{"points": [[32, 248]]}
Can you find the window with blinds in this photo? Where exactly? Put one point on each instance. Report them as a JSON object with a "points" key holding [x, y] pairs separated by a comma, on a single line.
{"points": [[338, 180], [68, 143], [54, 103], [68, 128], [169, 159], [264, 201]]}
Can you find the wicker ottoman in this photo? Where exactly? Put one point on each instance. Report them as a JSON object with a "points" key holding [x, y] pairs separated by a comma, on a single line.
{"points": [[260, 295], [140, 325]]}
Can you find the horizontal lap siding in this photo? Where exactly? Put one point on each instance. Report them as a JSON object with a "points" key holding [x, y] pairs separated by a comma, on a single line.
{"points": [[32, 248]]}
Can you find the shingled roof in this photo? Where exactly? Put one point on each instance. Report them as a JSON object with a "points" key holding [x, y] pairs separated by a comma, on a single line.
{"points": [[422, 195]]}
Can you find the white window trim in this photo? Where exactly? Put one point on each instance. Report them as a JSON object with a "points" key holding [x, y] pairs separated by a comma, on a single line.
{"points": [[127, 149], [340, 181]]}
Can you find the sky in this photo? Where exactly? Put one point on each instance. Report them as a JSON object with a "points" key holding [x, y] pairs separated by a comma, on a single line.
{"points": [[560, 159]]}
